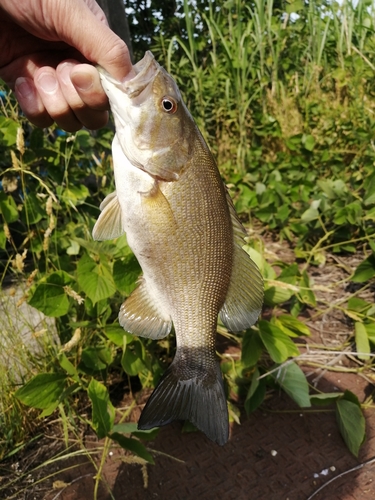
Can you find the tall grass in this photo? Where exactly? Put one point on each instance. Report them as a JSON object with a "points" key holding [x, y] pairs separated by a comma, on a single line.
{"points": [[252, 58]]}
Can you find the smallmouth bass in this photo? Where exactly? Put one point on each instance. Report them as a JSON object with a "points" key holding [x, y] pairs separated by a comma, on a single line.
{"points": [[182, 227]]}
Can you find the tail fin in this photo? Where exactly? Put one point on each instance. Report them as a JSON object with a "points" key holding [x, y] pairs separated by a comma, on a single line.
{"points": [[201, 402]]}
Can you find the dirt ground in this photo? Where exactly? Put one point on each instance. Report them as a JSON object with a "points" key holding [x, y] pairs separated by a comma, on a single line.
{"points": [[277, 453]]}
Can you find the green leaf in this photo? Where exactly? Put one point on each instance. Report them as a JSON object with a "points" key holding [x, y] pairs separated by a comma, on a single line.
{"points": [[132, 359], [8, 208], [50, 297], [132, 428], [256, 393], [358, 305], [275, 295], [75, 194], [8, 128], [68, 367], [133, 445], [291, 326], [294, 6], [325, 399], [126, 273], [369, 197], [3, 239], [306, 295], [293, 381], [116, 334], [103, 412], [310, 214], [42, 391], [370, 330], [307, 140], [362, 341], [351, 423], [278, 345], [97, 358], [32, 211], [95, 279], [365, 270], [252, 348]]}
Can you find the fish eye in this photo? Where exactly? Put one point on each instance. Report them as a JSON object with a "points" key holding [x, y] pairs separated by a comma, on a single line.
{"points": [[169, 105]]}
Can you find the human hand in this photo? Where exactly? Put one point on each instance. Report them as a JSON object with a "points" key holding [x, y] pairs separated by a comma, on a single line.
{"points": [[46, 45]]}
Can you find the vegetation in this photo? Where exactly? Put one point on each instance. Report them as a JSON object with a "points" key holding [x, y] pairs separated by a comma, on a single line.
{"points": [[286, 100]]}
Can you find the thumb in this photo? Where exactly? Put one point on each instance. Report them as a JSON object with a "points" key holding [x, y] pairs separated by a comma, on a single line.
{"points": [[82, 24]]}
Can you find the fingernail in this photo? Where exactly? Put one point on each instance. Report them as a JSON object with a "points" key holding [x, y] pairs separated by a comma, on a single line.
{"points": [[64, 72], [24, 87], [47, 82], [82, 81]]}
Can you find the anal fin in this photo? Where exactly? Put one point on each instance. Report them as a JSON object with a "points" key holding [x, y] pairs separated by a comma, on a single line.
{"points": [[140, 315]]}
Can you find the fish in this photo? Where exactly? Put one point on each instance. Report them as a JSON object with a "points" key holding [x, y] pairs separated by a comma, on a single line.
{"points": [[181, 225]]}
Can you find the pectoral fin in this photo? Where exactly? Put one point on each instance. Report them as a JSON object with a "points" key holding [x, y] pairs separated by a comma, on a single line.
{"points": [[109, 224], [140, 315], [244, 298]]}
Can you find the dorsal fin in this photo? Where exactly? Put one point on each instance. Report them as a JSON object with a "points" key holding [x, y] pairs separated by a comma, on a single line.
{"points": [[140, 315], [109, 224], [244, 298]]}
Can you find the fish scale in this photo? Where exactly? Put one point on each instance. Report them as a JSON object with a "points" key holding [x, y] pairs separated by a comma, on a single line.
{"points": [[183, 229]]}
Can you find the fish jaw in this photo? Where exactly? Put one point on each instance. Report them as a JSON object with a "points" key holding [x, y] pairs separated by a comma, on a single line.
{"points": [[154, 139]]}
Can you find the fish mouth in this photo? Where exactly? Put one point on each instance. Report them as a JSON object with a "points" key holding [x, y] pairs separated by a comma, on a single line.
{"points": [[146, 70]]}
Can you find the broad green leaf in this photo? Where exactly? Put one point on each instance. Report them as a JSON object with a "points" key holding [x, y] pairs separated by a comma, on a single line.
{"points": [[132, 445], [8, 129], [132, 359], [365, 270], [8, 208], [116, 334], [291, 326], [310, 214], [68, 367], [42, 391], [369, 197], [125, 428], [132, 428], [3, 239], [293, 381], [95, 279], [359, 305], [306, 294], [256, 393], [97, 358], [294, 6], [103, 412], [49, 297], [275, 295], [307, 140], [370, 330], [32, 211], [75, 194], [362, 341], [252, 348], [325, 398], [126, 273], [351, 424], [278, 345]]}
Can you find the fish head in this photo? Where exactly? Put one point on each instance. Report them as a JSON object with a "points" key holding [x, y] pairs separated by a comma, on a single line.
{"points": [[153, 125]]}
